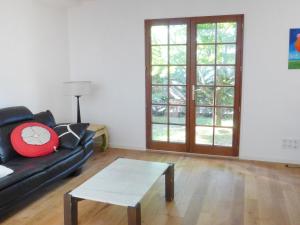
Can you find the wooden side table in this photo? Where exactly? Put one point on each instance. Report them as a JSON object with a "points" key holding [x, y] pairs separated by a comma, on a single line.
{"points": [[101, 131]]}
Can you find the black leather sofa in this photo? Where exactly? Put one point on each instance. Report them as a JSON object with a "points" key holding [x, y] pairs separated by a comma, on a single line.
{"points": [[31, 174]]}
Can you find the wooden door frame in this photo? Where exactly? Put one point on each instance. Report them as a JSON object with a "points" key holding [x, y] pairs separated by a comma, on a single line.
{"points": [[219, 150], [191, 55], [178, 147]]}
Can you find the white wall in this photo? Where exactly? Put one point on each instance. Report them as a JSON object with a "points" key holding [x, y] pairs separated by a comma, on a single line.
{"points": [[34, 56], [107, 47]]}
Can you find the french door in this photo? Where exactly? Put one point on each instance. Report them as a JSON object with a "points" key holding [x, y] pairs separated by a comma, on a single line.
{"points": [[193, 84]]}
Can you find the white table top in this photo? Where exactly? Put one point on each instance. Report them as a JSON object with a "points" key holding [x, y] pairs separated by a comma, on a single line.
{"points": [[124, 182]]}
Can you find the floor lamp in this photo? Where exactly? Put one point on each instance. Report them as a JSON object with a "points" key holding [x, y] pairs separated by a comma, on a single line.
{"points": [[77, 89]]}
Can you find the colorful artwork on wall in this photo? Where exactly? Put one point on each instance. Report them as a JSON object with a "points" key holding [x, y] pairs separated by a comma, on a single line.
{"points": [[294, 52]]}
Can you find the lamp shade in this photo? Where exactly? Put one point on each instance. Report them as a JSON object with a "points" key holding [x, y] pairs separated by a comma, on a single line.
{"points": [[77, 88]]}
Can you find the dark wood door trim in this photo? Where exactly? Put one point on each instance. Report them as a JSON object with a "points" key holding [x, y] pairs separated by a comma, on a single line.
{"points": [[219, 150], [189, 146], [179, 147]]}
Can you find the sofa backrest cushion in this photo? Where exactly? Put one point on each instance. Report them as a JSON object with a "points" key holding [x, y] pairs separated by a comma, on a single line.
{"points": [[45, 118], [7, 151], [14, 114], [9, 119]]}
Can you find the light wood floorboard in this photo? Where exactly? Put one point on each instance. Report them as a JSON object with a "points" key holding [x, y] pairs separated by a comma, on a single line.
{"points": [[207, 192]]}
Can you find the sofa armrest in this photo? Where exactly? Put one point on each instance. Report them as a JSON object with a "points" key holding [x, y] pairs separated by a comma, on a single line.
{"points": [[88, 136]]}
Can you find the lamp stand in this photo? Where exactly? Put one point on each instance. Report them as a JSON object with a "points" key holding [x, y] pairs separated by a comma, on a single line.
{"points": [[78, 109]]}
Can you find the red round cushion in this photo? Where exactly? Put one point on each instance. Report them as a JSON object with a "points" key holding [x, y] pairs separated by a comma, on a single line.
{"points": [[34, 139]]}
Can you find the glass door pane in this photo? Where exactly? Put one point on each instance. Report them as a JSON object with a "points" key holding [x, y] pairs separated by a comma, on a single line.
{"points": [[215, 79]]}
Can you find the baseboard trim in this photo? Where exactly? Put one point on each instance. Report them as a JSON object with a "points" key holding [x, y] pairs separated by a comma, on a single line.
{"points": [[194, 154], [270, 160], [288, 163], [127, 147]]}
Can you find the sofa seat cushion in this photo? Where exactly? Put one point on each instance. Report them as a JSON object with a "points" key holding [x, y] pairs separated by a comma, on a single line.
{"points": [[16, 191], [23, 168], [60, 155], [26, 167]]}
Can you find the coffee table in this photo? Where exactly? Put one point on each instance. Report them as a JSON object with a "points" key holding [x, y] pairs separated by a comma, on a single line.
{"points": [[124, 182]]}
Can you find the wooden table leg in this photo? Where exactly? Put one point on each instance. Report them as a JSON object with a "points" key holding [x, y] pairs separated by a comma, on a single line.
{"points": [[70, 210], [169, 183], [134, 215], [105, 139]]}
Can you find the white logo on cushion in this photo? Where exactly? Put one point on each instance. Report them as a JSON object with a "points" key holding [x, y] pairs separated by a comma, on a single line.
{"points": [[35, 135], [68, 126]]}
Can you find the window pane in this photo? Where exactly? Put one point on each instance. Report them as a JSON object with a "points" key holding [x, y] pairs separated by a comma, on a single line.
{"points": [[204, 96], [177, 133], [159, 35], [178, 34], [159, 132], [159, 114], [224, 117], [178, 54], [206, 54], [223, 137], [177, 114], [159, 75], [225, 75], [159, 95], [226, 54], [205, 75], [204, 135], [177, 95], [178, 74], [224, 96], [159, 55], [204, 116], [206, 33], [227, 32]]}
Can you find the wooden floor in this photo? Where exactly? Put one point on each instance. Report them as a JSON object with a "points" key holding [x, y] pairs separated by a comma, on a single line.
{"points": [[207, 192]]}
